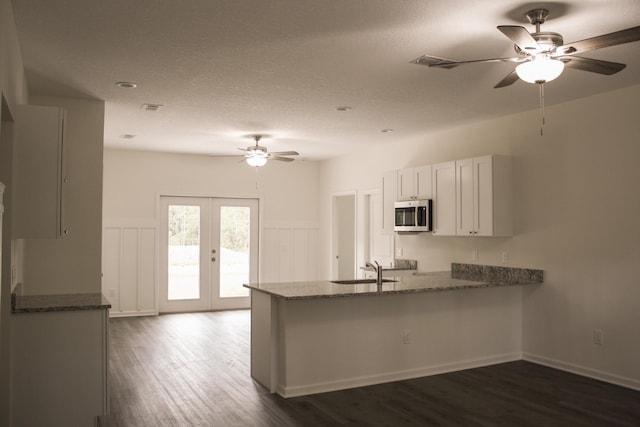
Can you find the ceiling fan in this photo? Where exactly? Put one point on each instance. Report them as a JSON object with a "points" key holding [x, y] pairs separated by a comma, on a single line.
{"points": [[543, 55], [257, 155]]}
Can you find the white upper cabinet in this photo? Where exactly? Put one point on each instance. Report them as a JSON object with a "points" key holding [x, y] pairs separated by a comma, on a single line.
{"points": [[389, 197], [415, 183], [465, 215], [444, 198], [483, 196], [38, 172]]}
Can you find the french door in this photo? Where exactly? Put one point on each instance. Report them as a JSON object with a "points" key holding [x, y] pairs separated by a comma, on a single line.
{"points": [[208, 250]]}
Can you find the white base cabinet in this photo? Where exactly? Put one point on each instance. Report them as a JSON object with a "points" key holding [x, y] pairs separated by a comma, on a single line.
{"points": [[59, 368]]}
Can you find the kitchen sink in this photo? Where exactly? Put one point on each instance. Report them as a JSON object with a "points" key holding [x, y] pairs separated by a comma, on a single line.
{"points": [[360, 281]]}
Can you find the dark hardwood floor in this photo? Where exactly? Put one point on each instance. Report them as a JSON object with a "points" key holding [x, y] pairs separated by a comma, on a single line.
{"points": [[193, 370]]}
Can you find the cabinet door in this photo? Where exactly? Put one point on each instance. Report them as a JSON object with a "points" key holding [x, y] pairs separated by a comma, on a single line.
{"points": [[444, 199], [38, 155], [389, 196], [483, 219], [422, 180], [415, 183], [464, 198], [406, 184]]}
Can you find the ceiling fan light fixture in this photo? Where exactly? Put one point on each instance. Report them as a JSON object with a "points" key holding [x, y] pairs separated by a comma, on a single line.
{"points": [[540, 69], [257, 161]]}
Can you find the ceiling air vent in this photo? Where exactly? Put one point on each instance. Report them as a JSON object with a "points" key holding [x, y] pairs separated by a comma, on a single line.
{"points": [[151, 107]]}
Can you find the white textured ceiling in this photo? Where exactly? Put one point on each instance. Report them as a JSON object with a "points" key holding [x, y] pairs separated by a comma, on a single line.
{"points": [[225, 69]]}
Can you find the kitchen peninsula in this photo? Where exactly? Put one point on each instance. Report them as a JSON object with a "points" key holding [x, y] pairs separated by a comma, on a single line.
{"points": [[311, 337]]}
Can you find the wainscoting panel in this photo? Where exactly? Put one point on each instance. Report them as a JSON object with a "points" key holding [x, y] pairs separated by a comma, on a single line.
{"points": [[111, 266], [129, 267], [289, 253]]}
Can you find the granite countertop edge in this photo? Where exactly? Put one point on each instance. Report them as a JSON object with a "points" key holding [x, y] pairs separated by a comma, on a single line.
{"points": [[478, 285], [462, 276], [62, 302]]}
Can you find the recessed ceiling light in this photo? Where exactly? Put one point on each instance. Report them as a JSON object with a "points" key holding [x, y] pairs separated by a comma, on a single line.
{"points": [[343, 108], [386, 130], [127, 85]]}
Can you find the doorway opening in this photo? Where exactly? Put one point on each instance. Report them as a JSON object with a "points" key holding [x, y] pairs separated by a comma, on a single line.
{"points": [[343, 236]]}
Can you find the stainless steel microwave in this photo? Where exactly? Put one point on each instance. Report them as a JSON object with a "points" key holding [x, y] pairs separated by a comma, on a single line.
{"points": [[413, 215]]}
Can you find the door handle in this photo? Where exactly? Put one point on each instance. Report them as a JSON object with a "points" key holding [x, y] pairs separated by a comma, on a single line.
{"points": [[213, 258]]}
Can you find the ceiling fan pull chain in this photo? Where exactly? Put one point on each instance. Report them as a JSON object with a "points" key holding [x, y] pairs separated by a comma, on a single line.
{"points": [[256, 168], [542, 121]]}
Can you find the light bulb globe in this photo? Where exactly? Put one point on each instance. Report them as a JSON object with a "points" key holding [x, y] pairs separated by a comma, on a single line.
{"points": [[256, 161], [541, 69]]}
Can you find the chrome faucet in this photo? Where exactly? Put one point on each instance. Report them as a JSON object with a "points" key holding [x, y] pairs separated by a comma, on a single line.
{"points": [[378, 269]]}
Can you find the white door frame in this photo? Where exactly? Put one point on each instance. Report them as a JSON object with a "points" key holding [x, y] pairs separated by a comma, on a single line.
{"points": [[334, 229], [255, 272]]}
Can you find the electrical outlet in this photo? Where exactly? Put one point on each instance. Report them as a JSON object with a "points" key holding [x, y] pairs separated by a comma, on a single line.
{"points": [[399, 252], [505, 257], [598, 337], [474, 255], [406, 337]]}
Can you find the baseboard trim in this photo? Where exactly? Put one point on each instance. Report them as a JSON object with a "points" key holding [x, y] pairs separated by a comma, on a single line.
{"points": [[132, 313], [584, 371], [343, 384]]}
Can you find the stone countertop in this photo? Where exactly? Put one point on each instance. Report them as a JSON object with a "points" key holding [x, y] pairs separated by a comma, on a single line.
{"points": [[67, 302], [421, 282]]}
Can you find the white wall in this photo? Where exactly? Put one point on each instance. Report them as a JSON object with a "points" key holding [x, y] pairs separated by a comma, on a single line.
{"points": [[14, 91], [576, 209], [133, 182]]}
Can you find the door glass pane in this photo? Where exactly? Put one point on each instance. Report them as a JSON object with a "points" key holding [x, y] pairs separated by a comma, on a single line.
{"points": [[234, 251], [184, 252]]}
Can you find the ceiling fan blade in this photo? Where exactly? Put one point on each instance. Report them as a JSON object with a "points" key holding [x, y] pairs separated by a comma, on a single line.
{"points": [[477, 61], [510, 79], [285, 153], [226, 155], [282, 159], [612, 39], [593, 65], [432, 61], [520, 36]]}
